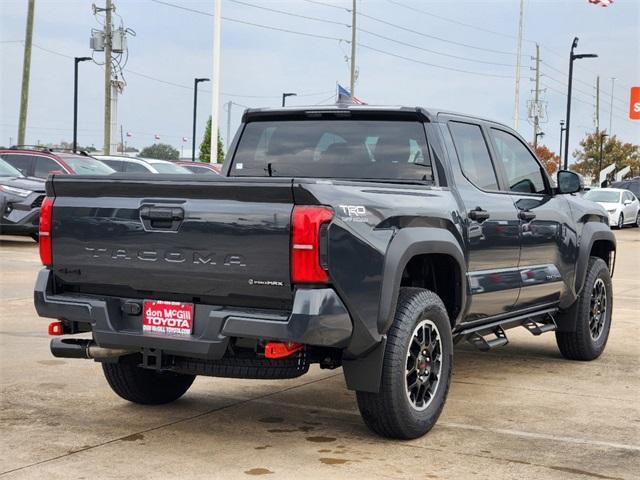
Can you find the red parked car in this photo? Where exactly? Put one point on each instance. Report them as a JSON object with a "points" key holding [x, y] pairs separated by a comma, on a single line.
{"points": [[41, 162], [201, 167]]}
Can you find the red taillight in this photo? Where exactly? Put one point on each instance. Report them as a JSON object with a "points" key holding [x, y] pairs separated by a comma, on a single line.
{"points": [[44, 232], [305, 244]]}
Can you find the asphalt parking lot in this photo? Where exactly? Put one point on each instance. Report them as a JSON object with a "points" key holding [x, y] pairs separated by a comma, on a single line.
{"points": [[521, 411]]}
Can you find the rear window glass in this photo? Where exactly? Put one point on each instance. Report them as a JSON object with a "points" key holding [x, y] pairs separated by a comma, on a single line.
{"points": [[169, 168], [88, 166], [604, 196], [359, 149]]}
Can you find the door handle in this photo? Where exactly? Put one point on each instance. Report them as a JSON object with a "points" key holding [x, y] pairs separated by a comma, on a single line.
{"points": [[478, 214], [526, 215], [161, 218]]}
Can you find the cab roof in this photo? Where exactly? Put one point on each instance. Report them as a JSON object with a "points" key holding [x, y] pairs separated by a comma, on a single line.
{"points": [[351, 110]]}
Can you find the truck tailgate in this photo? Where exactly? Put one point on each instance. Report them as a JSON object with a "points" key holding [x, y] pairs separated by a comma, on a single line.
{"points": [[221, 241]]}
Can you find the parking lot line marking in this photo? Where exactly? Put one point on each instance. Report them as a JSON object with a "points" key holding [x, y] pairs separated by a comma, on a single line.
{"points": [[502, 431]]}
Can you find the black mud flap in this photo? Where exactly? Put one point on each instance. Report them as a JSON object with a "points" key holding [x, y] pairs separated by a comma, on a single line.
{"points": [[363, 374]]}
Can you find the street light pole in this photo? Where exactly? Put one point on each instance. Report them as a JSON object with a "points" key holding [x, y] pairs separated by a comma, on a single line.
{"points": [[76, 61], [602, 136], [285, 95], [196, 81], [572, 57], [562, 129]]}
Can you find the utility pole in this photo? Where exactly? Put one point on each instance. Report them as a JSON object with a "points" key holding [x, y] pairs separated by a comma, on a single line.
{"points": [[215, 83], [536, 101], [352, 85], [26, 73], [598, 103], [516, 104], [107, 78], [613, 81], [121, 140]]}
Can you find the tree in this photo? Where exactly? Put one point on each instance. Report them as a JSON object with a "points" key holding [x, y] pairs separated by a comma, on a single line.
{"points": [[550, 160], [205, 146], [161, 151], [613, 151]]}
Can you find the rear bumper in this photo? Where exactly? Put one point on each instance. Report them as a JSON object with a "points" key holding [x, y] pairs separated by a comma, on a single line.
{"points": [[318, 318]]}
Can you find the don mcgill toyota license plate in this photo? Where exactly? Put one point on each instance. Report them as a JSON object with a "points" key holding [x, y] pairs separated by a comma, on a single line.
{"points": [[170, 318]]}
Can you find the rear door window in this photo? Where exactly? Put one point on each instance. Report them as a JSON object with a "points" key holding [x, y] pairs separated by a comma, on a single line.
{"points": [[44, 166], [21, 162], [473, 154], [357, 149]]}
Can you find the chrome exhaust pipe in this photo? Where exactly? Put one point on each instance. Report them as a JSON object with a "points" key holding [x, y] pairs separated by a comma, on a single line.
{"points": [[84, 348]]}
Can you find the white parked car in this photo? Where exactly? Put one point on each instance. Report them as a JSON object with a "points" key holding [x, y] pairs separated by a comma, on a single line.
{"points": [[141, 165], [621, 205]]}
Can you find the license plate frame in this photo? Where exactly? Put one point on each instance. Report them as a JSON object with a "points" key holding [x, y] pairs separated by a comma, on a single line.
{"points": [[167, 318]]}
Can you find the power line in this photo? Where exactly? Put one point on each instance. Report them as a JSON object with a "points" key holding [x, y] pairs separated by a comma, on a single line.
{"points": [[564, 94], [582, 82], [258, 25], [435, 52], [413, 60], [188, 87], [286, 30], [282, 12], [494, 32], [328, 5], [433, 37], [457, 22]]}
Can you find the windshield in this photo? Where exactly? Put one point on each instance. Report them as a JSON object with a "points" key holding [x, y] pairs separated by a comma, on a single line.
{"points": [[87, 166], [358, 149], [603, 196], [7, 170], [162, 167]]}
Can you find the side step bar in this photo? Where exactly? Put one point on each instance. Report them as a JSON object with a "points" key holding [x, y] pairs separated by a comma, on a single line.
{"points": [[536, 323]]}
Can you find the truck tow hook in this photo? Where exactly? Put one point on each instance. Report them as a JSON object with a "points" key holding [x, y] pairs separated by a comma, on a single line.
{"points": [[281, 349]]}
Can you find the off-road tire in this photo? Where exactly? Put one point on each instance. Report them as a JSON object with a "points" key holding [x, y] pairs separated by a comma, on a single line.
{"points": [[580, 344], [144, 386], [389, 412], [638, 219]]}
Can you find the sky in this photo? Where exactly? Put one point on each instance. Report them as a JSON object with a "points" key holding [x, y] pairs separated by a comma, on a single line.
{"points": [[450, 54]]}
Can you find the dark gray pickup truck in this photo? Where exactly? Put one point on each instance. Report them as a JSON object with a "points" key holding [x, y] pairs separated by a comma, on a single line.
{"points": [[367, 238]]}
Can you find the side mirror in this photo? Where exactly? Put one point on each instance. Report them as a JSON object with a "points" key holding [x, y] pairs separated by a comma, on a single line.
{"points": [[569, 182], [627, 202]]}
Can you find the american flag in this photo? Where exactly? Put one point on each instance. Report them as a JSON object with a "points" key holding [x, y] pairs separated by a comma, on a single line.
{"points": [[156, 136], [602, 3], [129, 134], [185, 139], [344, 96]]}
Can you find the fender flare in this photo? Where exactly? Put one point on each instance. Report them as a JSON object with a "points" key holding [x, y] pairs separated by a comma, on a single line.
{"points": [[591, 233], [407, 244], [364, 373]]}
